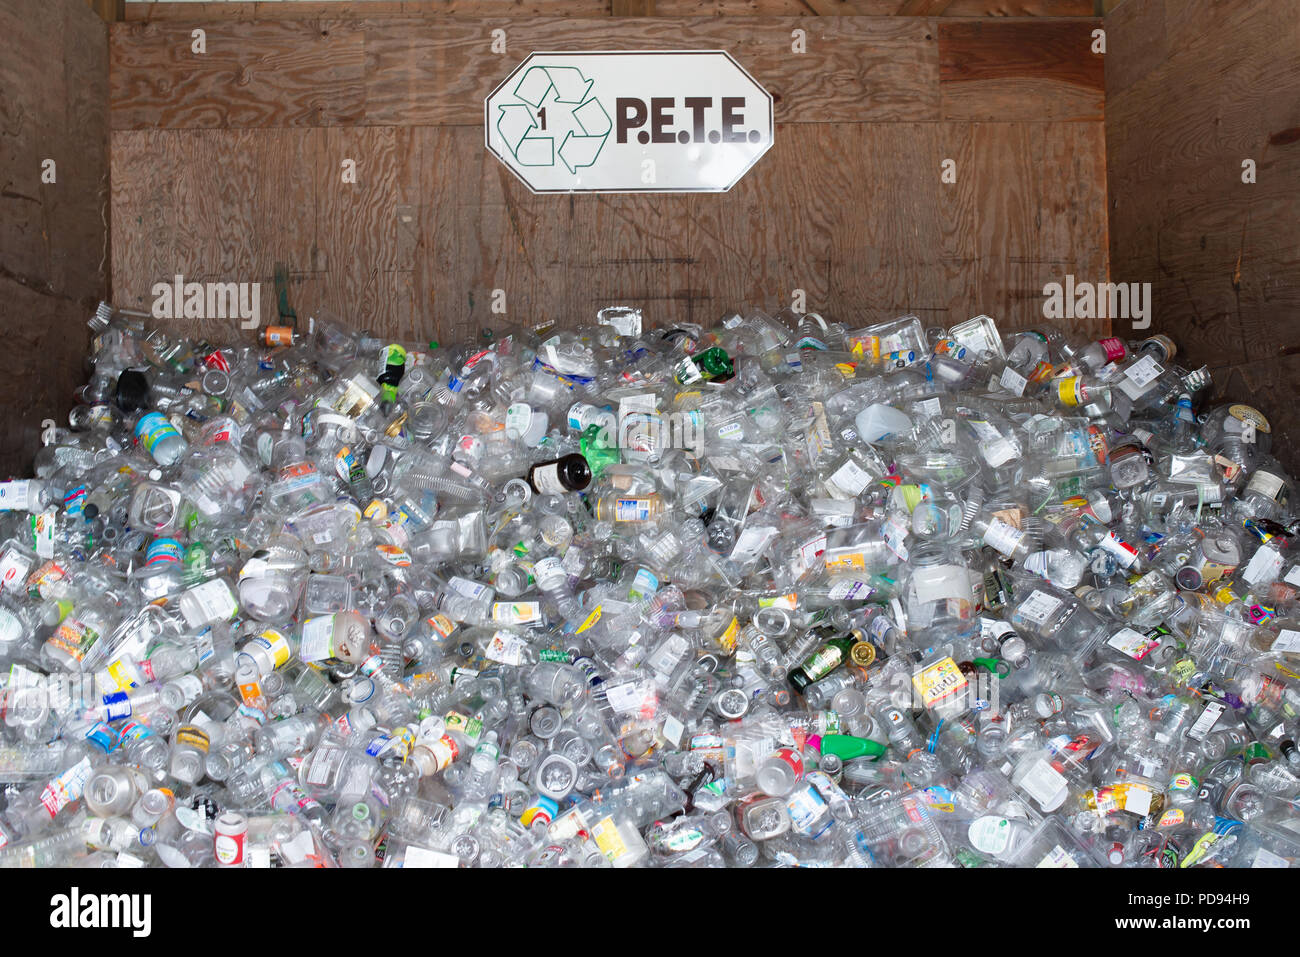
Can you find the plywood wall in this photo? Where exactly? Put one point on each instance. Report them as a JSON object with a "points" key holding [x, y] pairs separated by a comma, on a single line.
{"points": [[310, 9], [1195, 89], [227, 163], [54, 261]]}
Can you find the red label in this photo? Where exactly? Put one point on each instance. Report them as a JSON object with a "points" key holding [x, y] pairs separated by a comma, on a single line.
{"points": [[1115, 349]]}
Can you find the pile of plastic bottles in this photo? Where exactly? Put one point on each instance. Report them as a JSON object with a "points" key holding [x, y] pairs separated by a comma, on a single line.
{"points": [[778, 592]]}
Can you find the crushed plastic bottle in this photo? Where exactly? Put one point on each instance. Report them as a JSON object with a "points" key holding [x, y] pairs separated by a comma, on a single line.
{"points": [[776, 592]]}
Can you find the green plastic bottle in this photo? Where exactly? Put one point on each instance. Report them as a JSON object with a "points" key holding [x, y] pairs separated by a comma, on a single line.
{"points": [[707, 366], [598, 452], [846, 747]]}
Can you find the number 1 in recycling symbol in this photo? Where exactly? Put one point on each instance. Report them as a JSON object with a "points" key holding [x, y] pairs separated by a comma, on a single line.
{"points": [[554, 104]]}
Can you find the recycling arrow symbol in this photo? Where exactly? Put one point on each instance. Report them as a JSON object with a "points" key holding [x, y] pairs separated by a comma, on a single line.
{"points": [[554, 103]]}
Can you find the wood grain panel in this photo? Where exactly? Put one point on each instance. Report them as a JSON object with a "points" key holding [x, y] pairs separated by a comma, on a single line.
{"points": [[1184, 110], [855, 69], [856, 216], [422, 72], [275, 73], [1020, 70], [213, 206], [53, 235], [314, 9], [848, 206]]}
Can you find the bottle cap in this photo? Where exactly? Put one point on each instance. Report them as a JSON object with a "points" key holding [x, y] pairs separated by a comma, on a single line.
{"points": [[862, 654]]}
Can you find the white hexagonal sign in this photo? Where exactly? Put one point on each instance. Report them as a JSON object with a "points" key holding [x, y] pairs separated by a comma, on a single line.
{"points": [[673, 121]]}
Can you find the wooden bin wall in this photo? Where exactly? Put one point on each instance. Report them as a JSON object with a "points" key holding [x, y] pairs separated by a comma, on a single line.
{"points": [[1194, 89], [54, 258], [229, 162]]}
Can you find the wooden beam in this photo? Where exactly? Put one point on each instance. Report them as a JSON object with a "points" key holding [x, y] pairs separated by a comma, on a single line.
{"points": [[1020, 69], [110, 11], [923, 8], [212, 10], [438, 72]]}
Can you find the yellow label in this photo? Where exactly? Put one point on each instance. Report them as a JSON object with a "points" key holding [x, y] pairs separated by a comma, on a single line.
{"points": [[194, 737], [591, 620], [608, 839], [865, 346], [939, 681], [1286, 671], [727, 640], [1070, 390], [1244, 413], [516, 613], [846, 560], [441, 624], [121, 674], [278, 645]]}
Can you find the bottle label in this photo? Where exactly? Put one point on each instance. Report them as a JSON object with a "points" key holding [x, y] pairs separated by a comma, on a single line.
{"points": [[38, 584], [939, 681], [850, 478], [1120, 550], [1247, 415], [163, 551], [274, 644], [215, 601], [14, 496], [1114, 348], [153, 429], [632, 510], [229, 849], [506, 648], [66, 787], [516, 612], [1003, 536], [195, 737], [463, 586], [43, 534], [605, 834], [14, 566], [74, 637], [1071, 391], [822, 662], [1204, 724], [727, 640], [1133, 643], [1271, 486], [471, 728], [317, 639], [1141, 374], [1058, 859], [645, 584], [580, 416], [546, 479], [1038, 607], [135, 731]]}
